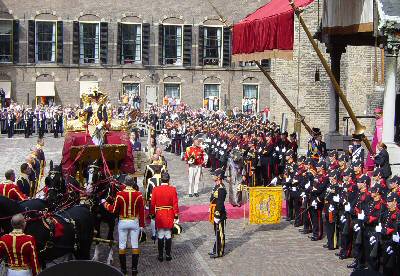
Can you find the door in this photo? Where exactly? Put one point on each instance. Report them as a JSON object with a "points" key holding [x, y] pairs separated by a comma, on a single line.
{"points": [[151, 95]]}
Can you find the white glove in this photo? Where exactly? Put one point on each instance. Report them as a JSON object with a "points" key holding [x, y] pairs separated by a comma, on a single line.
{"points": [[102, 201], [396, 237], [277, 148], [347, 207], [329, 190], [294, 189], [176, 220], [307, 185], [378, 228], [288, 179], [361, 216], [303, 194], [314, 204], [336, 198], [342, 218], [356, 228], [331, 208], [389, 250], [216, 220], [372, 240], [284, 150]]}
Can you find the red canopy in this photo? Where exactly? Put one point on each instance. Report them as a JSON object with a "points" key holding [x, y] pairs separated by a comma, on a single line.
{"points": [[266, 33]]}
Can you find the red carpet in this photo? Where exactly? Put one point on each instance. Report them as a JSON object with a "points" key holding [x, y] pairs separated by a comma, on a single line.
{"points": [[194, 213]]}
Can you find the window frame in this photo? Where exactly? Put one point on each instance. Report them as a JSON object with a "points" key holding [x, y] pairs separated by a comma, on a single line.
{"points": [[221, 58], [163, 46], [55, 40], [127, 83], [219, 93], [81, 60], [11, 41], [141, 42], [175, 83], [258, 95]]}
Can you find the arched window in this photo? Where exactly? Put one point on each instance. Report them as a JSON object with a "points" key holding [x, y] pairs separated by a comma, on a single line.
{"points": [[212, 93], [45, 89]]}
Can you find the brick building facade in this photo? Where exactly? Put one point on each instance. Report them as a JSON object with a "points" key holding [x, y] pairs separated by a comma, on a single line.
{"points": [[70, 71]]}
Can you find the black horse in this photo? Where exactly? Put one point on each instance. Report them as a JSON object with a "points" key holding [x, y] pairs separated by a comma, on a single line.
{"points": [[101, 187], [76, 224]]}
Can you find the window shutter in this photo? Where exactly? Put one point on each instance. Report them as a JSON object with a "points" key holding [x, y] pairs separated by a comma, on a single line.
{"points": [[119, 43], [31, 41], [201, 45], [187, 45], [15, 41], [227, 48], [103, 42], [75, 43], [160, 44], [60, 41], [146, 44]]}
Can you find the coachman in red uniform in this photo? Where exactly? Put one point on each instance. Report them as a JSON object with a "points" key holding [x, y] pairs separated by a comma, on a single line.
{"points": [[9, 189], [164, 207], [19, 250], [129, 205]]}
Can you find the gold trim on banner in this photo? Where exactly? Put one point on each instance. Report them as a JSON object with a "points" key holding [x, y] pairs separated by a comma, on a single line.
{"points": [[269, 54], [265, 205]]}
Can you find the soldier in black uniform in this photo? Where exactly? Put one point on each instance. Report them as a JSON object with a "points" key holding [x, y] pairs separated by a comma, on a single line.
{"points": [[41, 123], [218, 214], [23, 182], [25, 120], [57, 121], [10, 120]]}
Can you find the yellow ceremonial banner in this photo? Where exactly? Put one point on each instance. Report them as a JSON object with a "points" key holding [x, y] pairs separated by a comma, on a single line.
{"points": [[265, 205]]}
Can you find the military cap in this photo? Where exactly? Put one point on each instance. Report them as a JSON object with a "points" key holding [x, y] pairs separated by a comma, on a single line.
{"points": [[348, 172], [378, 171], [333, 153], [376, 189], [392, 197], [357, 164], [219, 173], [364, 179], [316, 131], [302, 158], [357, 137], [321, 164], [342, 157], [395, 179], [289, 152]]}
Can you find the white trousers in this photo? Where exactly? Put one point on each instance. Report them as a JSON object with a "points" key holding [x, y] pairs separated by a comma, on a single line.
{"points": [[11, 272], [128, 227], [164, 233], [194, 178]]}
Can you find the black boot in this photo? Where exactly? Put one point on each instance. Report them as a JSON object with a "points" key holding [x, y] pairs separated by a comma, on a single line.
{"points": [[168, 245], [122, 261], [135, 261], [160, 250]]}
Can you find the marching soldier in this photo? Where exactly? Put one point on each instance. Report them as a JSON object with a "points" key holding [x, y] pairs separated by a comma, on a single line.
{"points": [[9, 189], [218, 214], [41, 122], [165, 210], [194, 157], [19, 250], [130, 207]]}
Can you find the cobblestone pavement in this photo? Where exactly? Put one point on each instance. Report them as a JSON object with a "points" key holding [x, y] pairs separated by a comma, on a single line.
{"points": [[250, 249]]}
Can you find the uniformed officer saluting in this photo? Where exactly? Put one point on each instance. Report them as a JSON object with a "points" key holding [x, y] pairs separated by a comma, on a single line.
{"points": [[130, 206], [19, 250], [218, 214]]}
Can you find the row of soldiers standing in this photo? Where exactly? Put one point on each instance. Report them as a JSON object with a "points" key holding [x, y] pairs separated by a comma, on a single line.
{"points": [[27, 119], [361, 212]]}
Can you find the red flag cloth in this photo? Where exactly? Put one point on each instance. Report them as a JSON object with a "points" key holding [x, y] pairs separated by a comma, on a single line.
{"points": [[82, 139], [266, 33]]}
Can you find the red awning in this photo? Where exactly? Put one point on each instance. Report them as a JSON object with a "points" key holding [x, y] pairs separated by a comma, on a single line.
{"points": [[266, 33]]}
